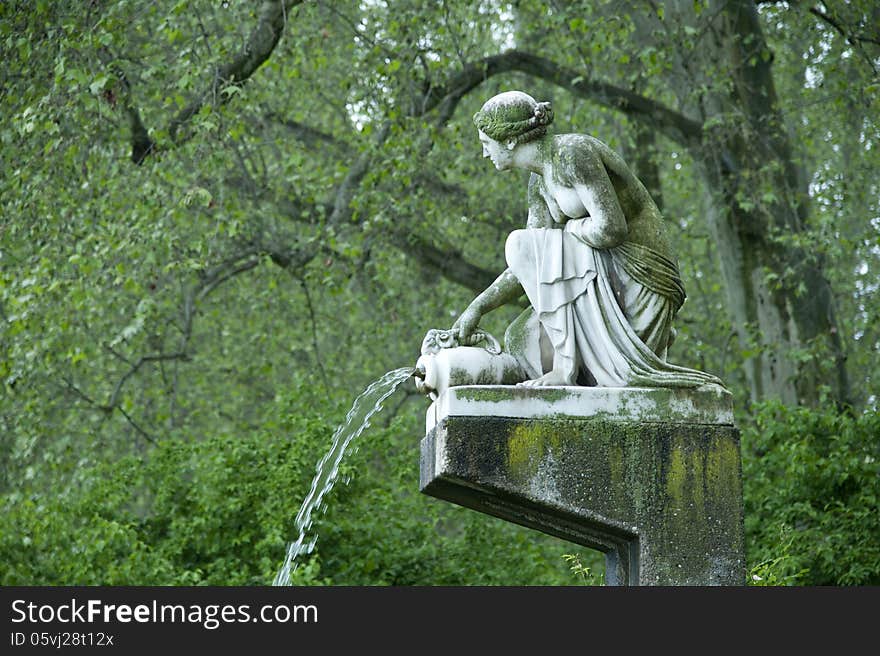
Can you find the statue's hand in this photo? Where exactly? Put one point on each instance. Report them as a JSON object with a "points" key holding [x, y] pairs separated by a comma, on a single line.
{"points": [[465, 325]]}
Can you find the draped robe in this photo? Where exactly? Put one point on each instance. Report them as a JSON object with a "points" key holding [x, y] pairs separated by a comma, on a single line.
{"points": [[607, 313]]}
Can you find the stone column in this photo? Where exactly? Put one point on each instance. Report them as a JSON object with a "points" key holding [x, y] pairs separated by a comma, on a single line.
{"points": [[650, 477]]}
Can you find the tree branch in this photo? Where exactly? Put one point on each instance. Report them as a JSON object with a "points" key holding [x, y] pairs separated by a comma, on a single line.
{"points": [[346, 191], [855, 40], [852, 39], [156, 357], [310, 136], [210, 280], [311, 308], [259, 46], [135, 425], [256, 50], [108, 409], [141, 143], [448, 263], [217, 278], [672, 123], [452, 265]]}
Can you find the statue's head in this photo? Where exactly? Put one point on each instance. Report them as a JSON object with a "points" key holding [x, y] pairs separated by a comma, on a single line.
{"points": [[513, 118]]}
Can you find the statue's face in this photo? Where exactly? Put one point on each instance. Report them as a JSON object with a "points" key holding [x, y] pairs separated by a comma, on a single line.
{"points": [[501, 156]]}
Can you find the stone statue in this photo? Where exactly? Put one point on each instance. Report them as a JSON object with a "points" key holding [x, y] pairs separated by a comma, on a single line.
{"points": [[594, 261]]}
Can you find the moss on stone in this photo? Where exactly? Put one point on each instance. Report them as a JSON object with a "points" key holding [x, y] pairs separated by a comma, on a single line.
{"points": [[676, 486], [667, 406], [517, 335], [528, 443], [502, 393]]}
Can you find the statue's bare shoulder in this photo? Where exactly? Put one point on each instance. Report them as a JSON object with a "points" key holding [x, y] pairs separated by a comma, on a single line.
{"points": [[582, 157]]}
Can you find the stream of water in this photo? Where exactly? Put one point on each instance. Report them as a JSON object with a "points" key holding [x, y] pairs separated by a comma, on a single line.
{"points": [[356, 421]]}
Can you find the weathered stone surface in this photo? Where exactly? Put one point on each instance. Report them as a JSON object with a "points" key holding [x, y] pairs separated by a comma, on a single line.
{"points": [[659, 494]]}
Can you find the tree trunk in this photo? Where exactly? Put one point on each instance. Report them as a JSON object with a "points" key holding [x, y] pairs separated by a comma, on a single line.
{"points": [[780, 301], [756, 197]]}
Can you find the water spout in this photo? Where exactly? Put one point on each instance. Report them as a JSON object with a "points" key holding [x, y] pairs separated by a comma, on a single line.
{"points": [[356, 421]]}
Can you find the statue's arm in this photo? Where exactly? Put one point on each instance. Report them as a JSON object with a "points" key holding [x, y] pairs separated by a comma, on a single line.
{"points": [[606, 226], [505, 289], [539, 213]]}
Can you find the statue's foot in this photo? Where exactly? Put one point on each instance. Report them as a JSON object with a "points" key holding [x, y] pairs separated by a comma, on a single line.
{"points": [[547, 380]]}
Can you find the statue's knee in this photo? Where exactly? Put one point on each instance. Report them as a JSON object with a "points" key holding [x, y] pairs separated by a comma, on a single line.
{"points": [[515, 245]]}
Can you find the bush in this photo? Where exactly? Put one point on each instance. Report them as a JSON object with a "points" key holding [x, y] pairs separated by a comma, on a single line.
{"points": [[216, 512], [221, 512], [811, 486]]}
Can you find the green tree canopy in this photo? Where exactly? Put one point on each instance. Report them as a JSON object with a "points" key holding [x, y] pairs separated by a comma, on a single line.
{"points": [[218, 217]]}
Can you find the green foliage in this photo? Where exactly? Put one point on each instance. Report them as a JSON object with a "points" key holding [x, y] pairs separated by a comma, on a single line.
{"points": [[584, 573], [213, 512], [179, 337], [812, 487], [220, 512], [45, 542], [776, 571]]}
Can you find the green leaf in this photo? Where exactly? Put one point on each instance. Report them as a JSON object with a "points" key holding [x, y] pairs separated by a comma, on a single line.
{"points": [[98, 84]]}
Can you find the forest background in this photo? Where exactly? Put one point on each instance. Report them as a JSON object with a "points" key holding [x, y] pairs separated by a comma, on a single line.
{"points": [[222, 220]]}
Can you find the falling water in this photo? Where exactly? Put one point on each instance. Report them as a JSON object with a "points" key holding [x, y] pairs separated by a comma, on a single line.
{"points": [[358, 418]]}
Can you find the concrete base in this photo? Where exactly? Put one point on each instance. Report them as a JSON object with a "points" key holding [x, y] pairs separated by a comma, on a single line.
{"points": [[652, 478]]}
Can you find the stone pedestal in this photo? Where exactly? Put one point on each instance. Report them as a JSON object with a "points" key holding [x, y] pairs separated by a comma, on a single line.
{"points": [[650, 477]]}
